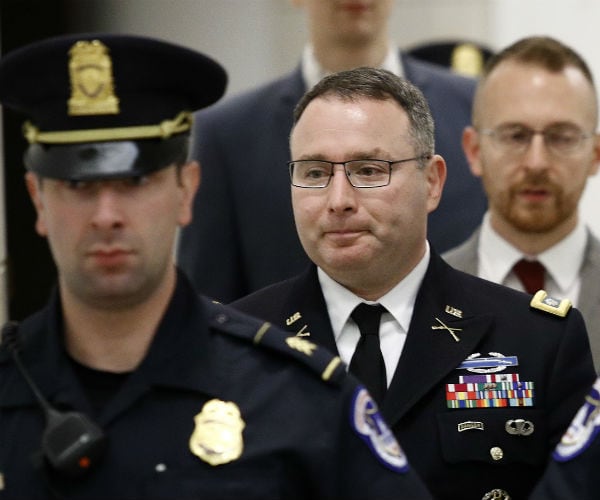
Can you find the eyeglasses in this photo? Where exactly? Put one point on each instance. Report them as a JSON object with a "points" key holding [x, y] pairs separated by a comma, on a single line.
{"points": [[360, 173], [561, 140]]}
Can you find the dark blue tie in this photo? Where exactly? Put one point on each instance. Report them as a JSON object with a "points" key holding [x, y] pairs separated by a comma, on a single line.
{"points": [[367, 362]]}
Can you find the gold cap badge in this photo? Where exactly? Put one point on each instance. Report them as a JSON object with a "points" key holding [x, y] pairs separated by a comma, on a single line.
{"points": [[217, 437], [467, 59], [92, 88]]}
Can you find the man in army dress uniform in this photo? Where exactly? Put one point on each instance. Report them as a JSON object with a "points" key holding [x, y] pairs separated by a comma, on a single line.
{"points": [[128, 384], [477, 381]]}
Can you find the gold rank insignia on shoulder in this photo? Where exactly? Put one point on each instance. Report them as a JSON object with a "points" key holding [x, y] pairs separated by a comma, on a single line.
{"points": [[92, 88], [217, 437], [300, 344], [542, 301]]}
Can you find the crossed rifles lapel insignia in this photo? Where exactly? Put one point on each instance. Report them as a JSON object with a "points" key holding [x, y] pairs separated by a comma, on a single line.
{"points": [[442, 326]]}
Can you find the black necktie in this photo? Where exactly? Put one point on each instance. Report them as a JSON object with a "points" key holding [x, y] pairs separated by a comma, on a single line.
{"points": [[367, 362], [531, 274]]}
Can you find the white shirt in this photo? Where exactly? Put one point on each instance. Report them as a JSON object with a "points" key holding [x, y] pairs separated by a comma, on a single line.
{"points": [[312, 71], [399, 301], [562, 261]]}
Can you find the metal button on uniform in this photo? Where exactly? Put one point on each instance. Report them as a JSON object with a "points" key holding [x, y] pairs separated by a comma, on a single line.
{"points": [[497, 453], [160, 468]]}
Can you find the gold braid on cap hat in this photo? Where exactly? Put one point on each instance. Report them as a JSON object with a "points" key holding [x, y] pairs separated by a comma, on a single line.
{"points": [[181, 123]]}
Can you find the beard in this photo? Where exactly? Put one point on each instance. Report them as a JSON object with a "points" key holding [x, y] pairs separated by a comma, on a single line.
{"points": [[533, 216]]}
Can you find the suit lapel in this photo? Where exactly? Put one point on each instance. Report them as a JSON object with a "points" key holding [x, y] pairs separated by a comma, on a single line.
{"points": [[431, 351], [587, 301], [292, 89], [465, 256], [412, 73]]}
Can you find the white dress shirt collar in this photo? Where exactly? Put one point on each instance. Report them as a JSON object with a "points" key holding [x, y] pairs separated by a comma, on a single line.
{"points": [[312, 71], [399, 301], [562, 261]]}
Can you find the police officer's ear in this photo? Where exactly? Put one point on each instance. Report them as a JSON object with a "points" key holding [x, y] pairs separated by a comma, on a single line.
{"points": [[34, 187], [189, 182]]}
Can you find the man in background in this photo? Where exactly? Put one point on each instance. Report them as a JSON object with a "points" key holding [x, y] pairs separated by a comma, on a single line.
{"points": [[533, 143], [249, 240]]}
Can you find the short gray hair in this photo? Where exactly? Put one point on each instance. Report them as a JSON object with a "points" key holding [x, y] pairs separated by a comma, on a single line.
{"points": [[381, 85]]}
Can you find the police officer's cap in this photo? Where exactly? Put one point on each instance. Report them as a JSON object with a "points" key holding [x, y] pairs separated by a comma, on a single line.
{"points": [[103, 106]]}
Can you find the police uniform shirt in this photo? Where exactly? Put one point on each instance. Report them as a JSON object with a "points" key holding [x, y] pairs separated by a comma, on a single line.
{"points": [[399, 302], [288, 433], [562, 261]]}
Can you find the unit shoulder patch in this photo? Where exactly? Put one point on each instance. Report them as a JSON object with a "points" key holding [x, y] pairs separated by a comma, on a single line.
{"points": [[542, 301]]}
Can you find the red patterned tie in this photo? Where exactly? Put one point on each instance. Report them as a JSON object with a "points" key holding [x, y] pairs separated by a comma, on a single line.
{"points": [[531, 274]]}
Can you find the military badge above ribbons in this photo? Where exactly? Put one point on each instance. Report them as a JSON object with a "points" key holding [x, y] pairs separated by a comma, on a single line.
{"points": [[368, 422], [489, 388], [583, 429]]}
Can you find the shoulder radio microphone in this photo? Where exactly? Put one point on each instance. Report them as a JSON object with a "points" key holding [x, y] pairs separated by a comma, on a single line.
{"points": [[71, 442]]}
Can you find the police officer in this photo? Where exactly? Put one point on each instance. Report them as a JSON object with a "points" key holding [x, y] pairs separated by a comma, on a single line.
{"points": [[128, 384], [573, 468]]}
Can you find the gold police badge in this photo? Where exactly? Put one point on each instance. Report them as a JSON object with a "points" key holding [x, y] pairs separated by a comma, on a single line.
{"points": [[217, 437], [92, 86]]}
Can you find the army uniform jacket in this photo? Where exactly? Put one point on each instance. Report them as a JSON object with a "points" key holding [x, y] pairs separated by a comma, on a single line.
{"points": [[464, 452], [285, 434]]}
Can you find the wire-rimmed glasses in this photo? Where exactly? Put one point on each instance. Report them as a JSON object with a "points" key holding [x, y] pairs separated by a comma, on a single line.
{"points": [[559, 139], [367, 173]]}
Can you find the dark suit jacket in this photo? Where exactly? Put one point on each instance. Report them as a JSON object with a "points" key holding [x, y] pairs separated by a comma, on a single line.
{"points": [[243, 235], [465, 258], [552, 351]]}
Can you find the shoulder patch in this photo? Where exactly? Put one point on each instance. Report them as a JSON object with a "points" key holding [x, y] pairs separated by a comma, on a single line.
{"points": [[583, 429], [368, 422], [228, 320], [543, 302]]}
